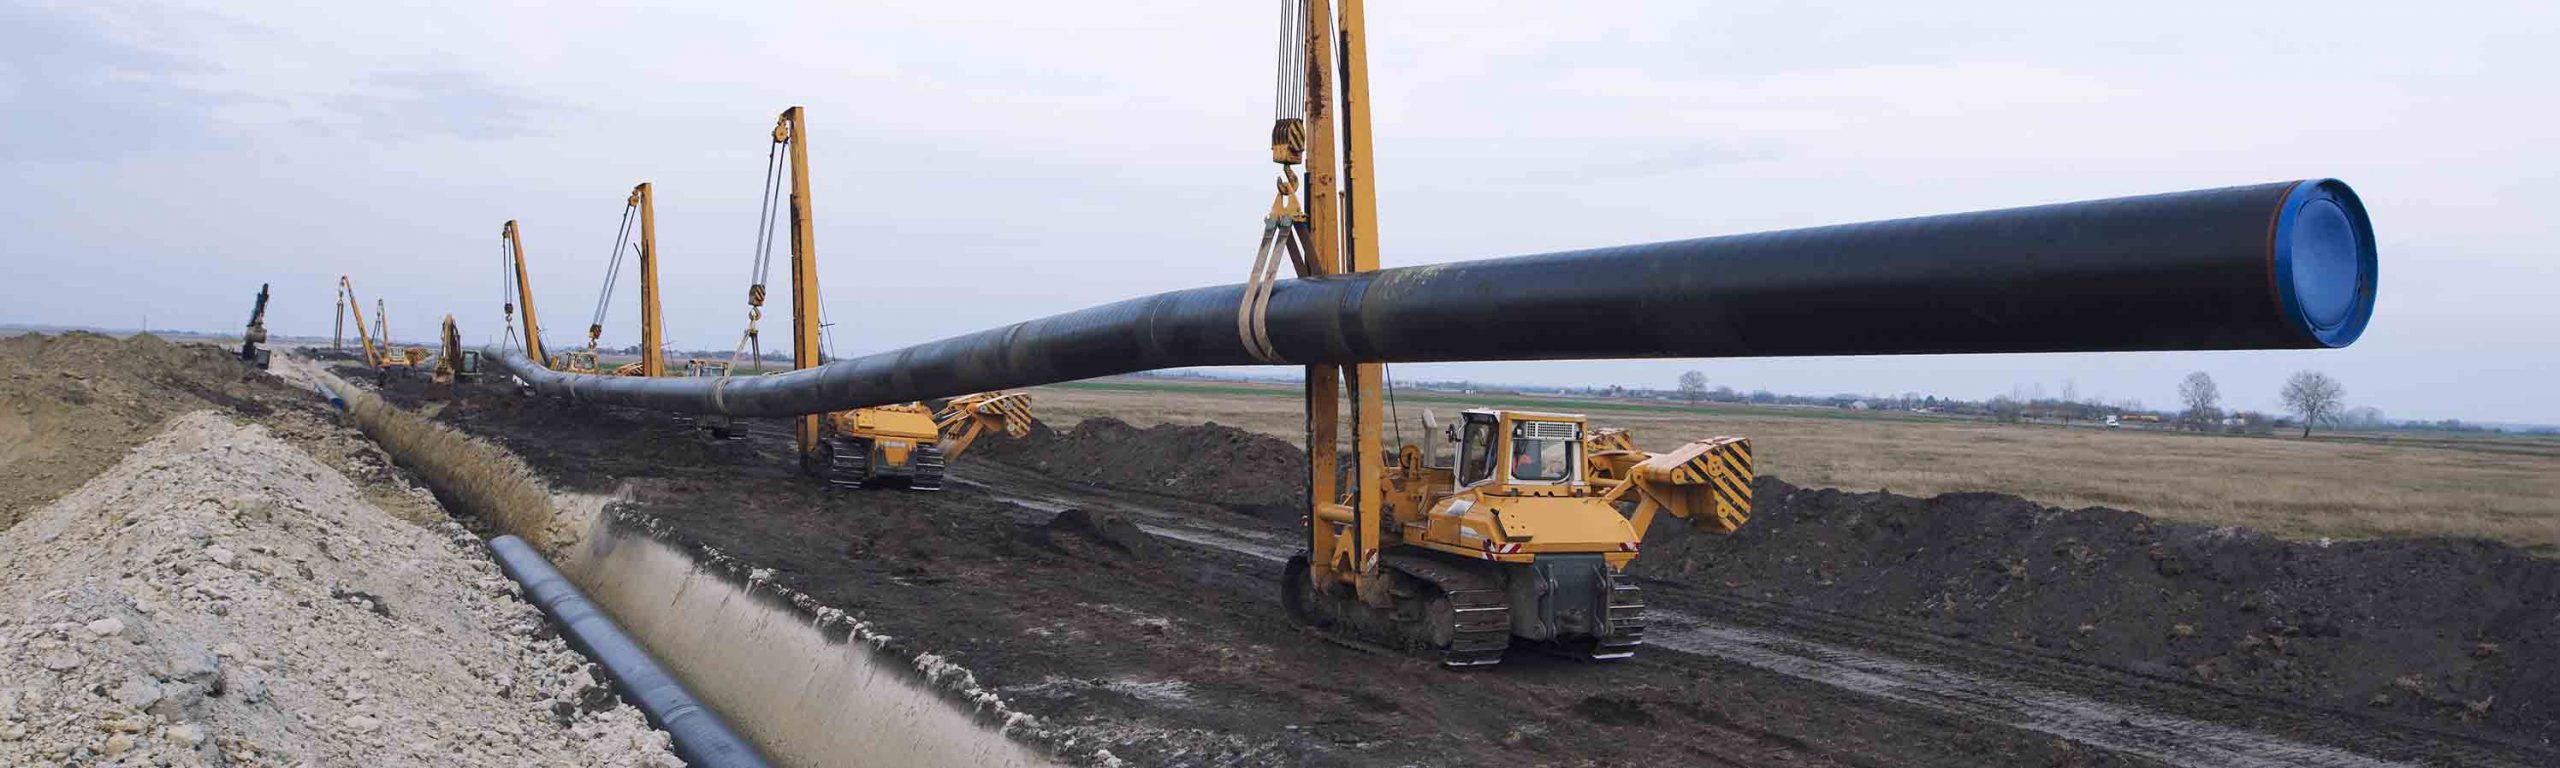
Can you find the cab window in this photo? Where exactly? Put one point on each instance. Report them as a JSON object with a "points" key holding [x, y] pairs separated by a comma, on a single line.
{"points": [[1475, 453], [1543, 451]]}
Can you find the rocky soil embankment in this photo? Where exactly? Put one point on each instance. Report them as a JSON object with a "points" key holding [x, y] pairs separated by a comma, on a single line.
{"points": [[71, 405], [219, 597]]}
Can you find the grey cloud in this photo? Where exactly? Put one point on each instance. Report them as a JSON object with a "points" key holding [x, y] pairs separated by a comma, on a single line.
{"points": [[445, 103], [72, 91]]}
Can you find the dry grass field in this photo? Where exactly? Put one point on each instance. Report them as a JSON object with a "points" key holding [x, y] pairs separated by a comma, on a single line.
{"points": [[2506, 489]]}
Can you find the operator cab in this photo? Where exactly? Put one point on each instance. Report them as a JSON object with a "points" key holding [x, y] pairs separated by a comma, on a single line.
{"points": [[1519, 451], [576, 362]]}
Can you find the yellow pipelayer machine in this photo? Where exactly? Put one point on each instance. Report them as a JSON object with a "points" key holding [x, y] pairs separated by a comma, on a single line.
{"points": [[511, 263], [380, 356], [912, 442], [1527, 533]]}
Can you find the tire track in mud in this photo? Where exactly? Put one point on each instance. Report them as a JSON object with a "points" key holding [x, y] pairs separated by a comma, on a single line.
{"points": [[2128, 729], [1228, 540], [2392, 741], [1775, 641]]}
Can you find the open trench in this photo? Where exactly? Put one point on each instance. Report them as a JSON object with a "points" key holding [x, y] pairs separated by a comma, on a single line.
{"points": [[806, 691], [806, 685]]}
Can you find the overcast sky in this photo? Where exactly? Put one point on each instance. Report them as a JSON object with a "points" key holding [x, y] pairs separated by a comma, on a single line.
{"points": [[166, 158]]}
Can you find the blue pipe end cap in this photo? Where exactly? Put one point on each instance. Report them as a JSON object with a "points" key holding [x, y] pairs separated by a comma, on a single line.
{"points": [[2323, 262]]}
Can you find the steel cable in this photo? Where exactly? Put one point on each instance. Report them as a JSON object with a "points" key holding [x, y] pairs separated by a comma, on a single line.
{"points": [[613, 266]]}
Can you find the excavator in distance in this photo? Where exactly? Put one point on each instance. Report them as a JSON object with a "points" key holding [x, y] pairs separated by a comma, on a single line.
{"points": [[1526, 535], [455, 364], [257, 333]]}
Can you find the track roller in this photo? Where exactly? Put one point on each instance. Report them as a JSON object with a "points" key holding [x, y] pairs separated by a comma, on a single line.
{"points": [[1626, 620], [926, 474], [848, 462], [1448, 611]]}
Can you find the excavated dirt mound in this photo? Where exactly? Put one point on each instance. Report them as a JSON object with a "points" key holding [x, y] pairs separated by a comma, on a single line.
{"points": [[72, 405], [2440, 629], [1251, 473], [219, 598]]}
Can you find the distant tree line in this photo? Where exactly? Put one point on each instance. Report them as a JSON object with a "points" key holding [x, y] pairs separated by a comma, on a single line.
{"points": [[2310, 400]]}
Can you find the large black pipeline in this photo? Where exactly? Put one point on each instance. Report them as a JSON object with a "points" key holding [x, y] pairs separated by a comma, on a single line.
{"points": [[698, 734], [2285, 265]]}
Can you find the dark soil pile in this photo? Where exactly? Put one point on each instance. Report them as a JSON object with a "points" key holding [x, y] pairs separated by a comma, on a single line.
{"points": [[74, 404], [1255, 474], [1107, 528], [2444, 629]]}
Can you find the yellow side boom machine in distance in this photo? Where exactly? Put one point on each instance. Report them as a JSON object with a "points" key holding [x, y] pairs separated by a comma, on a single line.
{"points": [[1528, 532], [914, 443], [511, 262], [640, 208], [379, 357], [909, 442]]}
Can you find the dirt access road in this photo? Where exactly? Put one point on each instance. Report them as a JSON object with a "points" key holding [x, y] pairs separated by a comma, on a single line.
{"points": [[1168, 648]]}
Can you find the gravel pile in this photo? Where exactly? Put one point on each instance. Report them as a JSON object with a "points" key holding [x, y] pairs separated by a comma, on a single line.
{"points": [[219, 597]]}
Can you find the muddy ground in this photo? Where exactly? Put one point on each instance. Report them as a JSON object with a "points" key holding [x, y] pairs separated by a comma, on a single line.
{"points": [[2461, 632], [1169, 652], [2457, 633], [1223, 465]]}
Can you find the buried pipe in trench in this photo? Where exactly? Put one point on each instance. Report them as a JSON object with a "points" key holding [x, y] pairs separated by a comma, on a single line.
{"points": [[2289, 265], [699, 735]]}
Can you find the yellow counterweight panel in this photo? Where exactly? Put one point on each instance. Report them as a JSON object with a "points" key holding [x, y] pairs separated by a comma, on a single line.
{"points": [[912, 423], [1505, 528], [894, 452], [968, 417], [1707, 482]]}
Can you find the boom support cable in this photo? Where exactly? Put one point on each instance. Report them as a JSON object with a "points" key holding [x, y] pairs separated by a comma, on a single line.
{"points": [[612, 273], [761, 260], [1289, 97], [507, 291]]}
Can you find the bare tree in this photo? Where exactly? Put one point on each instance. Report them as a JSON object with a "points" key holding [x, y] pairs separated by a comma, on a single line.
{"points": [[1693, 385], [2366, 417], [2203, 399], [2315, 396]]}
